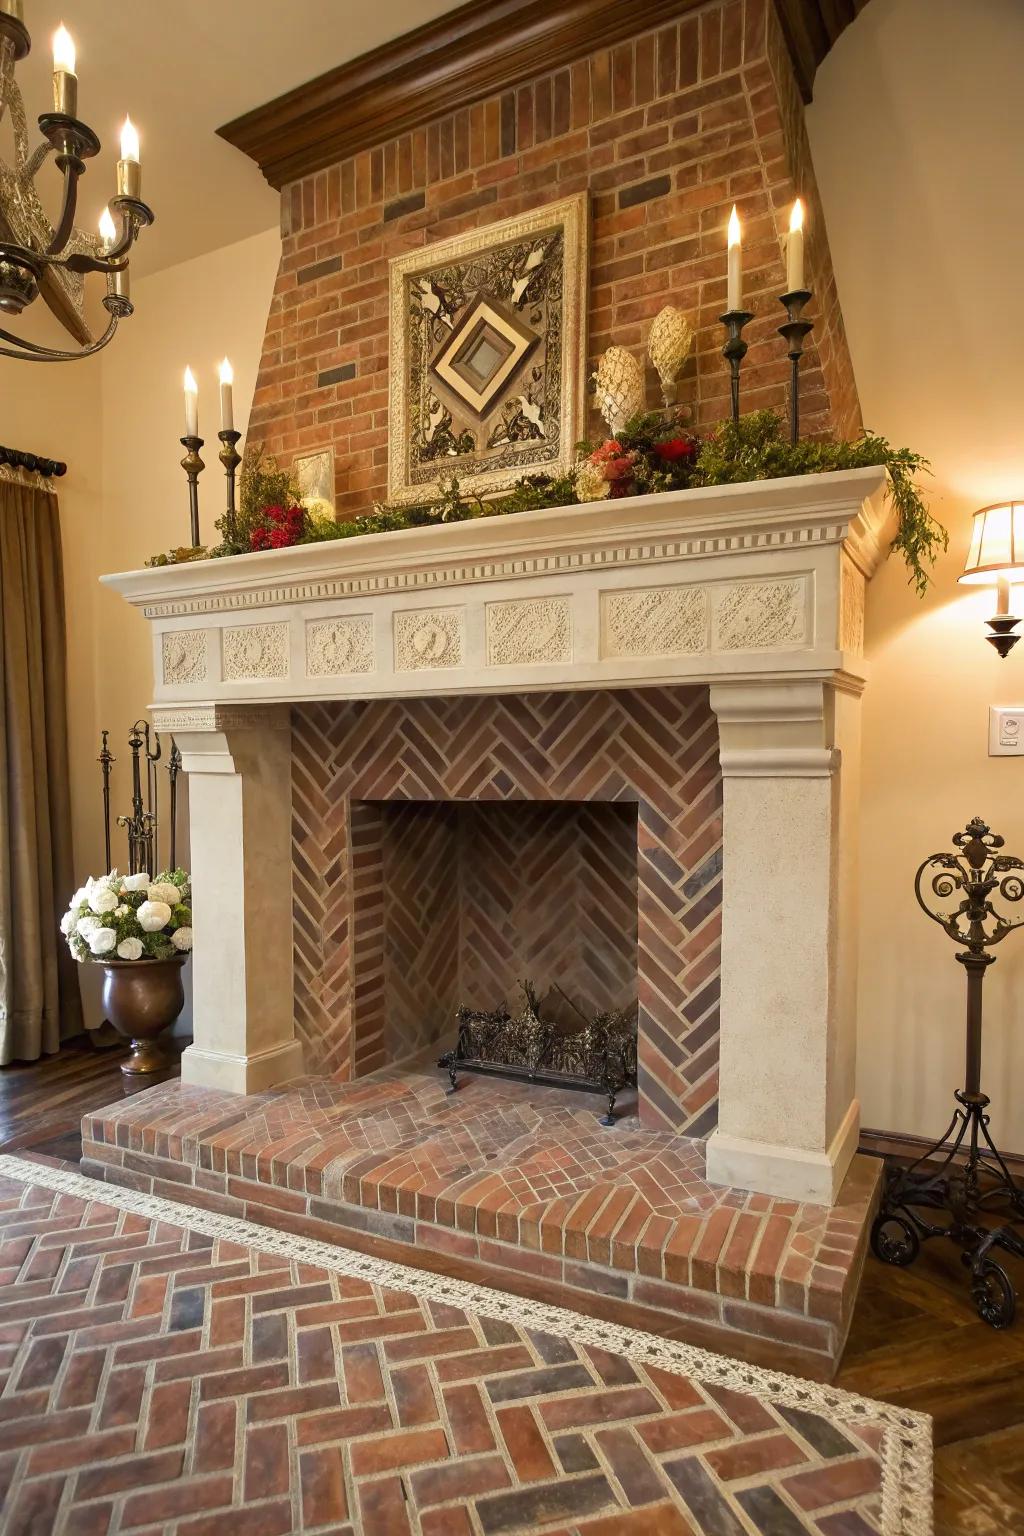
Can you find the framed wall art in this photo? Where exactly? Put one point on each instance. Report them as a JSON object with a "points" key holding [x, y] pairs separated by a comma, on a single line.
{"points": [[487, 354], [314, 473]]}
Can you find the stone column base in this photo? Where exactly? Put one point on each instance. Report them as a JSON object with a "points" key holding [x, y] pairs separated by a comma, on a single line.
{"points": [[241, 1074], [787, 1172]]}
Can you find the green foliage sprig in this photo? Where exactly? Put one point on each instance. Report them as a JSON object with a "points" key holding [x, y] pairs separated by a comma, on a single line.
{"points": [[654, 452], [757, 448]]}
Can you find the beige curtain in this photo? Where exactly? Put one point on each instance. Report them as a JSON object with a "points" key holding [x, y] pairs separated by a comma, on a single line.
{"points": [[39, 998]]}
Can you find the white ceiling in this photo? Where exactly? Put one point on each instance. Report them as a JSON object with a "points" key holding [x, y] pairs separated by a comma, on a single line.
{"points": [[182, 69]]}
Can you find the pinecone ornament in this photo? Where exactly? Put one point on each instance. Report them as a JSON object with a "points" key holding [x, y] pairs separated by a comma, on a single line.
{"points": [[668, 346], [619, 388]]}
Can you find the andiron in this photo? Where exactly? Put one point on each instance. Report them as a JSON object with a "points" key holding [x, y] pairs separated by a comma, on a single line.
{"points": [[963, 1175]]}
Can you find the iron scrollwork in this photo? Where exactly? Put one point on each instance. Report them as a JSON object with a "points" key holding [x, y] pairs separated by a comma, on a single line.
{"points": [[963, 1174], [597, 1056]]}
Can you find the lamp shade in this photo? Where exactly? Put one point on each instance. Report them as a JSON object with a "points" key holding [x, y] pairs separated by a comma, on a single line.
{"points": [[997, 545]]}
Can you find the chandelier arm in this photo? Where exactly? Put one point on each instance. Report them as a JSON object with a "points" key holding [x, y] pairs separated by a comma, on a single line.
{"points": [[65, 226], [35, 162], [29, 352]]}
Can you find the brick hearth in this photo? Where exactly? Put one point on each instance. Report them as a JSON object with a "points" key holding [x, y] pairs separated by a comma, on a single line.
{"points": [[514, 1186]]}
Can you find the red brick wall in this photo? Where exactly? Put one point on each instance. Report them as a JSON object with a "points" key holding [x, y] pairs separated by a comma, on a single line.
{"points": [[666, 132], [653, 752], [464, 899]]}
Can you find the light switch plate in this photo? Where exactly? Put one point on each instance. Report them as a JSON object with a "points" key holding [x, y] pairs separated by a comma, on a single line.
{"points": [[1006, 730]]}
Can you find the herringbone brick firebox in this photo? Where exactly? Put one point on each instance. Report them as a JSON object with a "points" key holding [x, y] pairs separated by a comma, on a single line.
{"points": [[590, 857]]}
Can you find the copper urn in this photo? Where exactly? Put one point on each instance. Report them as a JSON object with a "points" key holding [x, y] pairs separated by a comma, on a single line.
{"points": [[141, 998]]}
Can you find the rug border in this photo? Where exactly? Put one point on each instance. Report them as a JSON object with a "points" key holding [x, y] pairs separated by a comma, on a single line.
{"points": [[906, 1448]]}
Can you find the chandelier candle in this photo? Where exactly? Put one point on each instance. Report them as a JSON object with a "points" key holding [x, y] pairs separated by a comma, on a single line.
{"points": [[129, 167], [65, 81], [117, 281]]}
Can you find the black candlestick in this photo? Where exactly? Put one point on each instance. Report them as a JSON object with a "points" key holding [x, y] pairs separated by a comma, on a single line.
{"points": [[794, 331], [230, 458], [734, 351], [193, 466]]}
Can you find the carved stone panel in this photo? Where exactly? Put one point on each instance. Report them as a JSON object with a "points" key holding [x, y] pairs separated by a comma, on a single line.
{"points": [[429, 637], [527, 631], [761, 615], [255, 651], [184, 656], [659, 621], [338, 647]]}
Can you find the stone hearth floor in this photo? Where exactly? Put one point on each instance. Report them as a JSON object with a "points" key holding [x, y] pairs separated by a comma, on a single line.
{"points": [[516, 1186]]}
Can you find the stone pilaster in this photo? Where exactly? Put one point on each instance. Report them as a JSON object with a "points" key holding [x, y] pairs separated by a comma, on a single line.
{"points": [[238, 763], [788, 1116]]}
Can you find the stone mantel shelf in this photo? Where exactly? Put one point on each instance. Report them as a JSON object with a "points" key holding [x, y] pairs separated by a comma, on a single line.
{"points": [[735, 580]]}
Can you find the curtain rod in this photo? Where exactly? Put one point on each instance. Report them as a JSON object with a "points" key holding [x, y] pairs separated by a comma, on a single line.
{"points": [[31, 461]]}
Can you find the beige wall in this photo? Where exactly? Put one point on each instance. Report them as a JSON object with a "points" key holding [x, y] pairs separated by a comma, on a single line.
{"points": [[116, 420], [917, 131]]}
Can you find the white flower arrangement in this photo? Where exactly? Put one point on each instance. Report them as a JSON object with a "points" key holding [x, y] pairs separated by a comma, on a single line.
{"points": [[130, 917]]}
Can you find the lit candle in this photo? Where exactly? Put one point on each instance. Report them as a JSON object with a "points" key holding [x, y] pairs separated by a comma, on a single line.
{"points": [[735, 299], [65, 81], [191, 405], [129, 170], [795, 250], [227, 414]]}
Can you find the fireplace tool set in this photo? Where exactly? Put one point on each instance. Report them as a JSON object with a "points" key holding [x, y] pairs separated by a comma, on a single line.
{"points": [[963, 1175], [142, 824], [540, 1044]]}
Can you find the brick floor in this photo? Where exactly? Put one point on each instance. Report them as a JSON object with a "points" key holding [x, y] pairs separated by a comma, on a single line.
{"points": [[507, 1176], [157, 1379]]}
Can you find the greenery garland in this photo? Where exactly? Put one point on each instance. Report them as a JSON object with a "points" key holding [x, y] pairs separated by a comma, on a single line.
{"points": [[653, 453]]}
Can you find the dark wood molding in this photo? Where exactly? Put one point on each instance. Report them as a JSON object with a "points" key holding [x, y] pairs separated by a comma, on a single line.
{"points": [[459, 58], [903, 1145], [467, 54]]}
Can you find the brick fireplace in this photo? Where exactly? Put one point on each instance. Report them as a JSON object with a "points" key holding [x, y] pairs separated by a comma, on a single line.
{"points": [[444, 848]]}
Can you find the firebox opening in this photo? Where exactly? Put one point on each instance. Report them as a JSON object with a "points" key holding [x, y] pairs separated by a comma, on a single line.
{"points": [[458, 902]]}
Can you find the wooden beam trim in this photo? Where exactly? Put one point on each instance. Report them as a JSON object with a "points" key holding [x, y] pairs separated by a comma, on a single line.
{"points": [[479, 50]]}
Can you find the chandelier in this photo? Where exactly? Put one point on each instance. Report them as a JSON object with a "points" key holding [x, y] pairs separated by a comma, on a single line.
{"points": [[52, 260]]}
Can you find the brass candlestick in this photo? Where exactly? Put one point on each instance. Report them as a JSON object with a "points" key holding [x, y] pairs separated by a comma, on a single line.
{"points": [[734, 351], [230, 458], [193, 466], [794, 331]]}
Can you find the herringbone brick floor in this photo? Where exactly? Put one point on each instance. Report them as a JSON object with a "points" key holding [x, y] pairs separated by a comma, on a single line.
{"points": [[159, 1380]]}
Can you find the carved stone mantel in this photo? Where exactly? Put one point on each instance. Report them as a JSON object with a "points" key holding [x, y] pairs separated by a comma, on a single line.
{"points": [[757, 589], [753, 580]]}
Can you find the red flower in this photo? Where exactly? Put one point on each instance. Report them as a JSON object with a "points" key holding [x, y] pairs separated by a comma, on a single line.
{"points": [[675, 448]]}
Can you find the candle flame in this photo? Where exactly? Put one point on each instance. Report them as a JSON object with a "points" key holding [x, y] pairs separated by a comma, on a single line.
{"points": [[63, 50], [227, 373], [129, 141], [734, 227], [796, 218], [108, 233], [191, 387]]}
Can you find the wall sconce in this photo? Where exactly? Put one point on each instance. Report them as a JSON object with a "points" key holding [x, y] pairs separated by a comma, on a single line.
{"points": [[997, 556]]}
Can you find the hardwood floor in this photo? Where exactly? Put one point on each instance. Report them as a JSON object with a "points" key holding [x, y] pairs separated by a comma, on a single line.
{"points": [[915, 1340]]}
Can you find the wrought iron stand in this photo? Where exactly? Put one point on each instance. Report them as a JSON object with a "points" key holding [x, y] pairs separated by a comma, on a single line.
{"points": [[963, 1174]]}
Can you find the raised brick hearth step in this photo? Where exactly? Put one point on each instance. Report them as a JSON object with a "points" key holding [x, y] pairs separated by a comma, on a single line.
{"points": [[514, 1186]]}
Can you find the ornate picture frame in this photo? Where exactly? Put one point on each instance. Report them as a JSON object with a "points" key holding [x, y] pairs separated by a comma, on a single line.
{"points": [[488, 354]]}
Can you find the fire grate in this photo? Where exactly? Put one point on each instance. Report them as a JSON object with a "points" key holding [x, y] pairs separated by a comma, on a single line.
{"points": [[544, 1043]]}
